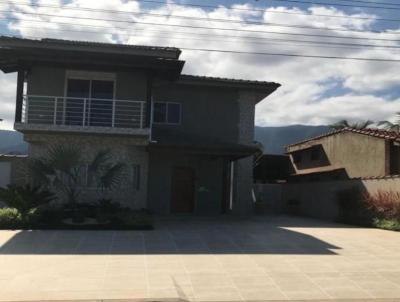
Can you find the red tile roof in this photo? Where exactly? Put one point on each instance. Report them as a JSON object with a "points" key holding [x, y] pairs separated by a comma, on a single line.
{"points": [[379, 133]]}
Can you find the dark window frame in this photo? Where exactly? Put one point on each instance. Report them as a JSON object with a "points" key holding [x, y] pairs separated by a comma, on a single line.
{"points": [[297, 157], [315, 154], [166, 122]]}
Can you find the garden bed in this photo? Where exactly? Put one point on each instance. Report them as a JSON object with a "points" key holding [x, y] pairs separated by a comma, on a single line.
{"points": [[105, 216]]}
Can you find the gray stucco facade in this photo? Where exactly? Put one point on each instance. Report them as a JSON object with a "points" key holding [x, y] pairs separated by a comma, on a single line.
{"points": [[212, 142]]}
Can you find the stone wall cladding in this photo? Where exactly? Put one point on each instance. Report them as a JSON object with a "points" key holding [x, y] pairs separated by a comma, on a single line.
{"points": [[243, 203], [128, 150]]}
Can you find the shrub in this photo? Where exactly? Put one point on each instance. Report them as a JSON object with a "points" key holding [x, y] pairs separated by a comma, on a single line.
{"points": [[10, 218], [386, 204], [25, 198], [387, 224], [106, 210]]}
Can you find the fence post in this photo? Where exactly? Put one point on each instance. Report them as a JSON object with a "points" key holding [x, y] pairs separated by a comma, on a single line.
{"points": [[84, 112], [64, 109], [141, 114], [113, 113], [55, 111], [26, 109]]}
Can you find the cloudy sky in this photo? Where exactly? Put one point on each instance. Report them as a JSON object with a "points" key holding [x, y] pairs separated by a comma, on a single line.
{"points": [[314, 91]]}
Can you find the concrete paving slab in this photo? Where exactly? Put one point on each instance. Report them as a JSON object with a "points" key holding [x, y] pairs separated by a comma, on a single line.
{"points": [[204, 259]]}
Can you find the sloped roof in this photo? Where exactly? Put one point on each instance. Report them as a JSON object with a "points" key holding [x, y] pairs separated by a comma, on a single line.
{"points": [[379, 133], [173, 52], [76, 42], [186, 77]]}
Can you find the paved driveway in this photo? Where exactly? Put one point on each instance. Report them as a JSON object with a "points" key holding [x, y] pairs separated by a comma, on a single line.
{"points": [[265, 258]]}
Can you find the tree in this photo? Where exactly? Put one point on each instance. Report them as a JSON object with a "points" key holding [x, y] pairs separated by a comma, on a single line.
{"points": [[391, 126], [63, 169], [345, 124]]}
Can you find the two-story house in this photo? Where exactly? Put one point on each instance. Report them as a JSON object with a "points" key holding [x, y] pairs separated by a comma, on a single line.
{"points": [[346, 153], [188, 140]]}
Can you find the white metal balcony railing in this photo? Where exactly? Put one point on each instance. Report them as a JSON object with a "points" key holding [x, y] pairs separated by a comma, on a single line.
{"points": [[83, 112]]}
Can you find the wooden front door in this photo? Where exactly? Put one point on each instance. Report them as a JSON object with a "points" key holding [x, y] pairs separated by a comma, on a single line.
{"points": [[182, 191]]}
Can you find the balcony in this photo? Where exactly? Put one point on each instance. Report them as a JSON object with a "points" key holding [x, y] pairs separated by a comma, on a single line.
{"points": [[69, 114]]}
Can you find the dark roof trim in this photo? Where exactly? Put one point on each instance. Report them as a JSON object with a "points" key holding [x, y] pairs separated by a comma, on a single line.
{"points": [[85, 46], [378, 133], [239, 83]]}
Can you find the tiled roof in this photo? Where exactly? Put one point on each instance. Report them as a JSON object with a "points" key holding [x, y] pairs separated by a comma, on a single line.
{"points": [[226, 80], [89, 43], [379, 133], [376, 177], [54, 42]]}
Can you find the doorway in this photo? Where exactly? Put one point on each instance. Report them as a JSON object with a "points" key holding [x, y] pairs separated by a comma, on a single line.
{"points": [[182, 190]]}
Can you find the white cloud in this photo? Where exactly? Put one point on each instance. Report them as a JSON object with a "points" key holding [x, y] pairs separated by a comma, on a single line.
{"points": [[305, 81]]}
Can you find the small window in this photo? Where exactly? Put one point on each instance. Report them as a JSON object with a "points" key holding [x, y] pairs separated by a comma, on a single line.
{"points": [[136, 177], [315, 154], [160, 113], [167, 113], [297, 157]]}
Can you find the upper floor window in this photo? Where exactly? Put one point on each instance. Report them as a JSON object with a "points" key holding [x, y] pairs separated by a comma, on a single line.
{"points": [[166, 113]]}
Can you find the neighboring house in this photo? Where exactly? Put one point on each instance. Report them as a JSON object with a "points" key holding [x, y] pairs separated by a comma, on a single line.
{"points": [[188, 140], [272, 168], [346, 153]]}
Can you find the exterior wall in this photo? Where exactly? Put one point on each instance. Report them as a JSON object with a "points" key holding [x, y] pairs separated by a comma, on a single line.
{"points": [[46, 81], [208, 181], [345, 150], [208, 112], [319, 199], [131, 151], [271, 195], [50, 81], [13, 170]]}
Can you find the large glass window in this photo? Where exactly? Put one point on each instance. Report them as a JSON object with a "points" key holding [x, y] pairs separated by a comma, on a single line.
{"points": [[77, 91], [167, 113], [89, 102]]}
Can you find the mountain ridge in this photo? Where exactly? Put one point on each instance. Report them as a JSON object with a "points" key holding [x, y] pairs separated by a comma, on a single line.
{"points": [[274, 139]]}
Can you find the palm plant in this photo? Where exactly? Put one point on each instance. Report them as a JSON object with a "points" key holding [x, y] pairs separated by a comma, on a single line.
{"points": [[345, 124], [62, 169], [391, 126], [26, 199]]}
